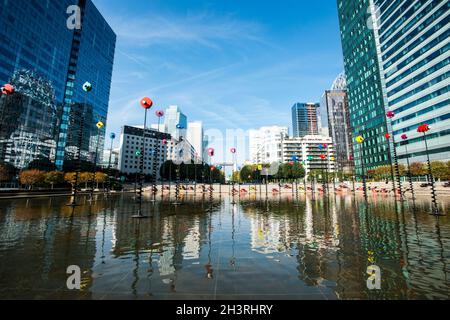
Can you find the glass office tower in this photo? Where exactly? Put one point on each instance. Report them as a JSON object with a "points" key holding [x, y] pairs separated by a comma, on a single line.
{"points": [[335, 105], [35, 37], [364, 83], [305, 119], [415, 56]]}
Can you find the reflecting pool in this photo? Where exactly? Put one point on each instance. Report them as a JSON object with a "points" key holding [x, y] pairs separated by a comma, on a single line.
{"points": [[280, 248]]}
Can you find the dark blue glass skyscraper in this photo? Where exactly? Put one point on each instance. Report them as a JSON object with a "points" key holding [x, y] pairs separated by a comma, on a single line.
{"points": [[35, 37]]}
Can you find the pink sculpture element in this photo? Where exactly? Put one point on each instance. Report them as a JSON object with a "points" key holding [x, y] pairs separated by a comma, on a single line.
{"points": [[211, 152], [159, 113], [233, 150], [404, 137], [7, 89], [164, 142]]}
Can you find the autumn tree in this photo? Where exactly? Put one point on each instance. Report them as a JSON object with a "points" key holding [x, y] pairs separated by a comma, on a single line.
{"points": [[417, 169], [7, 172], [30, 178], [54, 177]]}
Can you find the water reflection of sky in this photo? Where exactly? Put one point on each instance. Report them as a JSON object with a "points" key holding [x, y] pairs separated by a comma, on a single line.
{"points": [[281, 248]]}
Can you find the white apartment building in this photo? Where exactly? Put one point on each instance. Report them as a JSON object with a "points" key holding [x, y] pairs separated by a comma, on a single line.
{"points": [[308, 150], [265, 144]]}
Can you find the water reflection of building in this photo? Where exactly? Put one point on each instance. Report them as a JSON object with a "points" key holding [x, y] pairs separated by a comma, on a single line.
{"points": [[28, 121]]}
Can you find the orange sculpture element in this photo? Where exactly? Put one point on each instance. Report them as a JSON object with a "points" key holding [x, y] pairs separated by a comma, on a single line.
{"points": [[146, 103]]}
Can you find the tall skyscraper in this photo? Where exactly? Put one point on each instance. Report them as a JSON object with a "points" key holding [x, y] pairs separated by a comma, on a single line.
{"points": [[195, 136], [413, 37], [265, 144], [396, 59], [305, 119], [173, 118], [35, 37], [364, 83], [335, 108]]}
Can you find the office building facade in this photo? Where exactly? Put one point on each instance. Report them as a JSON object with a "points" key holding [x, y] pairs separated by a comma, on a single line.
{"points": [[305, 119], [29, 120], [35, 37], [413, 37], [396, 59], [131, 141], [335, 107], [364, 83]]}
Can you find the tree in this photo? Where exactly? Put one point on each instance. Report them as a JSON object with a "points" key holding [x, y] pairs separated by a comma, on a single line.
{"points": [[7, 172], [54, 177], [85, 177], [100, 177], [440, 170], [30, 178], [69, 177], [417, 169]]}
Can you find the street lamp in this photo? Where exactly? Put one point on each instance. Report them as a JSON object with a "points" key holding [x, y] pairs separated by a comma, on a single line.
{"points": [[210, 155], [146, 103], [411, 185], [424, 128], [360, 141]]}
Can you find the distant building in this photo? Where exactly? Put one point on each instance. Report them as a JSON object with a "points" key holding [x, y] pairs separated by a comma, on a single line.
{"points": [[114, 159], [131, 141], [195, 136], [173, 118], [335, 106], [265, 144], [306, 147], [305, 119], [29, 120]]}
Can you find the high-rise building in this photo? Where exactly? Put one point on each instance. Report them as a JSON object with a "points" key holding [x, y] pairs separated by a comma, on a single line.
{"points": [[173, 118], [364, 83], [265, 144], [396, 57], [308, 151], [305, 120], [195, 136], [413, 37], [35, 37], [335, 108]]}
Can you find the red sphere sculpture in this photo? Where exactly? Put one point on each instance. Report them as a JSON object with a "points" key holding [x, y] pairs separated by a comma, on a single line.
{"points": [[404, 137], [423, 128], [159, 113], [387, 136], [7, 89], [390, 114], [146, 103], [322, 156]]}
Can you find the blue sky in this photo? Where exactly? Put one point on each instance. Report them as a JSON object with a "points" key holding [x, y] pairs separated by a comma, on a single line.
{"points": [[229, 63]]}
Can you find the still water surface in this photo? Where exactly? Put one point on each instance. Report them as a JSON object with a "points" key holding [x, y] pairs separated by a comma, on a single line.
{"points": [[277, 249]]}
